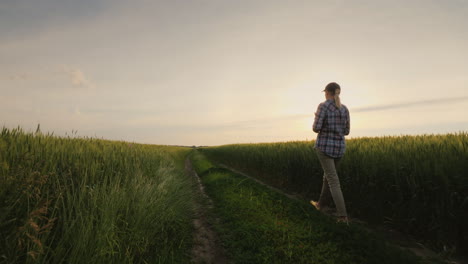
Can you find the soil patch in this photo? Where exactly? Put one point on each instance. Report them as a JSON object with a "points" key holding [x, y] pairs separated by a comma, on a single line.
{"points": [[206, 247]]}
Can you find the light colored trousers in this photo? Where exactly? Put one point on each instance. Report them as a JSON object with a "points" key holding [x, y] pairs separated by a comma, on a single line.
{"points": [[331, 183]]}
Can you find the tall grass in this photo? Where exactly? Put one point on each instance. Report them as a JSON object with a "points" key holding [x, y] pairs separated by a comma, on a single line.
{"points": [[86, 200], [416, 184]]}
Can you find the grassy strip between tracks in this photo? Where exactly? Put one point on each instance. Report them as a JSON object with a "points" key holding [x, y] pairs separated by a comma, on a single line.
{"points": [[259, 225]]}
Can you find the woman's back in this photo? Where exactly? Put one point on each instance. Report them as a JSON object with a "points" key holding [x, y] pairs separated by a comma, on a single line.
{"points": [[331, 123]]}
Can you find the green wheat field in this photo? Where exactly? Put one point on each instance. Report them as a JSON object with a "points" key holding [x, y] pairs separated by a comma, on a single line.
{"points": [[87, 200]]}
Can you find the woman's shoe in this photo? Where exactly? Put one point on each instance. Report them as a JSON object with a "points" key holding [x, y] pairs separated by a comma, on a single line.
{"points": [[342, 219], [315, 204]]}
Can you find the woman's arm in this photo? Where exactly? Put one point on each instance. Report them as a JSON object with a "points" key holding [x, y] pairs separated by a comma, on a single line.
{"points": [[348, 123], [319, 118]]}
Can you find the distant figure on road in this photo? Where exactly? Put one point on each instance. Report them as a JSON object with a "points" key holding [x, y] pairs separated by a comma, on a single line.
{"points": [[332, 123]]}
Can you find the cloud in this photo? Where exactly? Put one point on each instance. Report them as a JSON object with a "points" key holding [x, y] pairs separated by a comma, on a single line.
{"points": [[272, 121], [23, 76], [409, 104], [19, 76], [76, 77]]}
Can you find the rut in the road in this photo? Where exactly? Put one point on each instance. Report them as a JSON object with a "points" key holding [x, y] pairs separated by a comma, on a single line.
{"points": [[206, 247]]}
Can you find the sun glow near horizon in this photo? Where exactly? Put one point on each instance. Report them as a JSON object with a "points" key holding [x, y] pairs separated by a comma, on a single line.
{"points": [[218, 72]]}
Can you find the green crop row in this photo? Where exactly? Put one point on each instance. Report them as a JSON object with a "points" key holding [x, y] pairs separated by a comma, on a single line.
{"points": [[416, 184], [83, 200]]}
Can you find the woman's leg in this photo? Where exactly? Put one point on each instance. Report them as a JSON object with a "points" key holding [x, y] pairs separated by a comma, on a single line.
{"points": [[329, 169], [325, 195]]}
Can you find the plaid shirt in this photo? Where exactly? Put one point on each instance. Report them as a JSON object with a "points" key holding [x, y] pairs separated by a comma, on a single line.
{"points": [[331, 124]]}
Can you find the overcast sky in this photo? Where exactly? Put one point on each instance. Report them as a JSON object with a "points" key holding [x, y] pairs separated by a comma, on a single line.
{"points": [[210, 72]]}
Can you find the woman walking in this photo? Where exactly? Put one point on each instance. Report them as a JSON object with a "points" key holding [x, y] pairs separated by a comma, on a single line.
{"points": [[332, 123]]}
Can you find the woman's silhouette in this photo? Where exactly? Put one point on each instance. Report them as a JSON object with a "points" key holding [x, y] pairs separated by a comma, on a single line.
{"points": [[332, 123]]}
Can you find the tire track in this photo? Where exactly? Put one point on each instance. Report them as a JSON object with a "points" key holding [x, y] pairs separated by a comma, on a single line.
{"points": [[207, 247]]}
